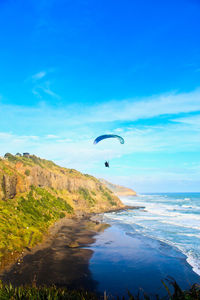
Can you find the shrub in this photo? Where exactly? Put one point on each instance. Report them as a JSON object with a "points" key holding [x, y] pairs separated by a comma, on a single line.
{"points": [[11, 157], [86, 195], [27, 172], [29, 218], [109, 198], [62, 215]]}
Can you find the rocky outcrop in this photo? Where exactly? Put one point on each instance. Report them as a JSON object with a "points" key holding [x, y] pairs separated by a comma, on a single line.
{"points": [[118, 189], [83, 192], [9, 184]]}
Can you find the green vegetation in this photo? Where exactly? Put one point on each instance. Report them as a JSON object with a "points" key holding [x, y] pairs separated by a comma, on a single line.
{"points": [[5, 169], [91, 177], [8, 292], [86, 195], [26, 217], [53, 293], [30, 160], [11, 157], [27, 172], [29, 218], [68, 207], [107, 195], [101, 188], [33, 160]]}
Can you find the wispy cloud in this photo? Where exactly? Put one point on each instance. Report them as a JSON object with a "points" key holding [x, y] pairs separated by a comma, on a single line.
{"points": [[110, 112], [192, 120], [46, 89], [39, 75], [51, 136], [131, 110], [66, 134], [42, 87]]}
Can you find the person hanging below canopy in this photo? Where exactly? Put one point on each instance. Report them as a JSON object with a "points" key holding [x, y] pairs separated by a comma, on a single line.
{"points": [[108, 136], [107, 164]]}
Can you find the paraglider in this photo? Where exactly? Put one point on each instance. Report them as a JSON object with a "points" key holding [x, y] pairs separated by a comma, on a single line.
{"points": [[106, 136]]}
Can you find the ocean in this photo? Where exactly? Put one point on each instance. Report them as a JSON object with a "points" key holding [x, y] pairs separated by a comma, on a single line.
{"points": [[146, 246], [173, 218]]}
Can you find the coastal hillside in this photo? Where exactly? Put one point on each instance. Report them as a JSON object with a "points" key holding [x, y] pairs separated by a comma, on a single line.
{"points": [[19, 174], [35, 193], [118, 189]]}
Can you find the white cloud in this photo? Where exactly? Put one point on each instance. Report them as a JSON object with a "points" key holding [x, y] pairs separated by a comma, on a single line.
{"points": [[131, 110], [66, 134], [48, 91], [44, 88], [51, 136], [5, 135], [113, 111], [41, 87], [73, 127], [39, 75], [192, 120], [118, 130]]}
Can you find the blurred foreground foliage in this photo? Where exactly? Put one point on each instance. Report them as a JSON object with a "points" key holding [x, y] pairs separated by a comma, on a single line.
{"points": [[7, 291]]}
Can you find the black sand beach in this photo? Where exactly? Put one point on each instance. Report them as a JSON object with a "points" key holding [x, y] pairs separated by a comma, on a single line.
{"points": [[115, 262], [60, 260]]}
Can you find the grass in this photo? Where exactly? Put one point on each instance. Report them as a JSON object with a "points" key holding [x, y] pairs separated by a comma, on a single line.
{"points": [[109, 198], [86, 195], [24, 220], [5, 169], [7, 291]]}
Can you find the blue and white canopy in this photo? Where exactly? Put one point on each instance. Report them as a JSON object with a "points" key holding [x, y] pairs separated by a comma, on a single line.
{"points": [[107, 136]]}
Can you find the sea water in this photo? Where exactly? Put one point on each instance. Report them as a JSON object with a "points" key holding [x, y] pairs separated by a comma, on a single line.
{"points": [[173, 218]]}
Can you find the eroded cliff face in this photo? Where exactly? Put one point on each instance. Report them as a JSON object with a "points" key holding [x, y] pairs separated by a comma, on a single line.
{"points": [[118, 189], [83, 192]]}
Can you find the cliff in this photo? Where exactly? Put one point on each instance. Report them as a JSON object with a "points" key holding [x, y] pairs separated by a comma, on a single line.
{"points": [[118, 189], [35, 193], [81, 191]]}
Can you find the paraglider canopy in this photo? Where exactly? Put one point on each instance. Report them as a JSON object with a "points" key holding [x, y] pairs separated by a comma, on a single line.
{"points": [[107, 136]]}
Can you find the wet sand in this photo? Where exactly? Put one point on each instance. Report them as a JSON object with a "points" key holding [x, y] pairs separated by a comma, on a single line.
{"points": [[125, 261], [115, 261], [60, 260]]}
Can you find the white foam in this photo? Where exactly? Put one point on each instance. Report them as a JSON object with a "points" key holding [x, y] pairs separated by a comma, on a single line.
{"points": [[181, 219], [194, 264]]}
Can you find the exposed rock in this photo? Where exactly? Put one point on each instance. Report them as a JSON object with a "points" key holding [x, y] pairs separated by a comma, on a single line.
{"points": [[73, 245], [118, 189], [9, 184], [83, 192]]}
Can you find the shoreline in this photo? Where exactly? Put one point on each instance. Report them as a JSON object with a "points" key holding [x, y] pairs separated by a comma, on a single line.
{"points": [[182, 222], [126, 261], [63, 250], [74, 255], [88, 225], [15, 257]]}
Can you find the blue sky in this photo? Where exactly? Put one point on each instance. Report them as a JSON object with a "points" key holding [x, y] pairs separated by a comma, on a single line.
{"points": [[73, 70]]}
